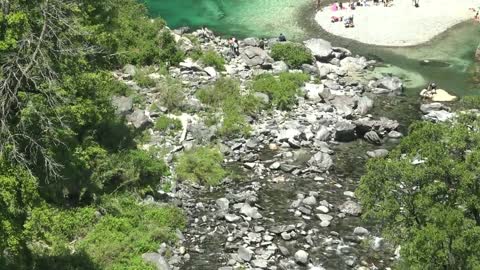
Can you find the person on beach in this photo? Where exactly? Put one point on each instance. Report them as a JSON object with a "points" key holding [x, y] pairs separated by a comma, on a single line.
{"points": [[416, 3], [282, 38], [334, 7]]}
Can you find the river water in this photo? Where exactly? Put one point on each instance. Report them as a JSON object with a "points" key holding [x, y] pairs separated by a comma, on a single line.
{"points": [[450, 55]]}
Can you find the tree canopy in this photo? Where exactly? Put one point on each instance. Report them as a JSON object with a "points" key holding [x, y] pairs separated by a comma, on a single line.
{"points": [[426, 195]]}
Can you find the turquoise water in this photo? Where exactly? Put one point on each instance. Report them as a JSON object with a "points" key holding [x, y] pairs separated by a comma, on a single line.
{"points": [[451, 54]]}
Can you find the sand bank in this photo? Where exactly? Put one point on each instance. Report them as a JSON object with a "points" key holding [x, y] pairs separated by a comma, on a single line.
{"points": [[401, 24]]}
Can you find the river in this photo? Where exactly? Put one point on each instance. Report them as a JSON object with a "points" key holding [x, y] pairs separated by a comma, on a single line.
{"points": [[450, 55]]}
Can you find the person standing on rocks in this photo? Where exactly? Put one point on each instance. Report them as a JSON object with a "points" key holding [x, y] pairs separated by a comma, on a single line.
{"points": [[282, 38]]}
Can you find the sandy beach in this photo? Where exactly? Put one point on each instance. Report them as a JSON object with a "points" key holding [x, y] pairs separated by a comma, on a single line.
{"points": [[400, 24]]}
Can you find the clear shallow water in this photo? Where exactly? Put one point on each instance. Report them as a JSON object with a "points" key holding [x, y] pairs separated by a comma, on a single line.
{"points": [[451, 63]]}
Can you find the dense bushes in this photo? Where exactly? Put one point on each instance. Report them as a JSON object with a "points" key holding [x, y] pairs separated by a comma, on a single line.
{"points": [[165, 123], [425, 193], [225, 95], [171, 94], [213, 59], [282, 90], [201, 165], [114, 240], [292, 53]]}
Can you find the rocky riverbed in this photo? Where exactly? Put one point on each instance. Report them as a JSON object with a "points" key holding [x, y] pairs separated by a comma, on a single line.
{"points": [[292, 203]]}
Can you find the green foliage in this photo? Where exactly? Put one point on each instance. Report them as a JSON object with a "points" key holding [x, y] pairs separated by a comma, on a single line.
{"points": [[165, 123], [142, 79], [282, 90], [18, 195], [430, 207], [225, 94], [213, 59], [169, 53], [128, 231], [135, 170], [201, 165], [470, 102], [292, 53], [171, 94], [114, 240]]}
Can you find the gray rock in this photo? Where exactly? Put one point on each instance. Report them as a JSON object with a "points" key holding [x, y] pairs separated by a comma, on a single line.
{"points": [[310, 200], [287, 134], [352, 64], [254, 56], [250, 211], [324, 217], [139, 119], [223, 204], [309, 69], [477, 53], [344, 105], [185, 44], [395, 134], [275, 166], [211, 72], [321, 49], [438, 116], [364, 104], [435, 106], [351, 208], [388, 85], [284, 251], [379, 153], [361, 231], [260, 263], [279, 67], [245, 254], [301, 257], [251, 41], [313, 91], [372, 137], [286, 236], [130, 70], [323, 134], [123, 105], [321, 161], [345, 131], [157, 260], [232, 218]]}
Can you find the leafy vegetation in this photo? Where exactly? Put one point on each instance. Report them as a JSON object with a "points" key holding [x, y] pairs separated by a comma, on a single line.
{"points": [[425, 193], [293, 54], [470, 102], [225, 95], [282, 90], [201, 165], [142, 79], [213, 59], [165, 123], [171, 94], [65, 155]]}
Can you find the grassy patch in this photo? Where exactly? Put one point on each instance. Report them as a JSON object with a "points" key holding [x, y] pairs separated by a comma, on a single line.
{"points": [[282, 90], [165, 123], [201, 165], [293, 54], [171, 94], [142, 79], [213, 59]]}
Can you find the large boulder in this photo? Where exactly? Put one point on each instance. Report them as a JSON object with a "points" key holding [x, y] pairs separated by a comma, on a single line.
{"points": [[130, 70], [344, 105], [123, 105], [139, 119], [321, 49], [364, 104], [157, 260], [439, 95], [322, 161], [352, 64], [251, 41], [345, 131], [438, 116], [435, 106], [313, 91], [388, 86], [255, 56], [279, 67]]}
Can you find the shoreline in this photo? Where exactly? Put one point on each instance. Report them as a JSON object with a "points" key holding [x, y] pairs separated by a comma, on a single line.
{"points": [[374, 25]]}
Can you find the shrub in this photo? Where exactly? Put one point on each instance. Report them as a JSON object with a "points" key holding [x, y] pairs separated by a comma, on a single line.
{"points": [[142, 79], [170, 55], [201, 165], [135, 169], [165, 123], [171, 94], [282, 90], [216, 95], [470, 102], [234, 120], [213, 59], [292, 53], [129, 230]]}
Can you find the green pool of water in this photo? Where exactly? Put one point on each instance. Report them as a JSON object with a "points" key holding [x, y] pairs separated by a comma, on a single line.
{"points": [[450, 56]]}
